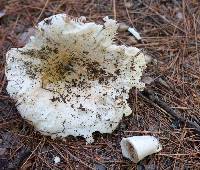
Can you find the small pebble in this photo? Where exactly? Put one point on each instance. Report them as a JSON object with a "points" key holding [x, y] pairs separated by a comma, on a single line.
{"points": [[56, 159], [128, 4], [179, 15], [148, 58], [147, 80], [123, 27]]}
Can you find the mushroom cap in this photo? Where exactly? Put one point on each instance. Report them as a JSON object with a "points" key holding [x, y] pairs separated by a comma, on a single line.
{"points": [[71, 79]]}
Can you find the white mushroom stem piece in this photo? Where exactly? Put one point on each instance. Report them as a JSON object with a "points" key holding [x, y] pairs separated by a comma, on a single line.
{"points": [[136, 148], [72, 79], [134, 32]]}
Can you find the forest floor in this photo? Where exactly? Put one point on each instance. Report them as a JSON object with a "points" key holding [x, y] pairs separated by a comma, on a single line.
{"points": [[169, 108]]}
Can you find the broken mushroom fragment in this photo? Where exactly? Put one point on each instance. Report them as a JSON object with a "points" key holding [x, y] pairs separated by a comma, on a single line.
{"points": [[134, 32], [136, 148], [71, 79]]}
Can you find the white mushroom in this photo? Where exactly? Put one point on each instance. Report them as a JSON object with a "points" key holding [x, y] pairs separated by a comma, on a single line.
{"points": [[136, 148], [71, 79]]}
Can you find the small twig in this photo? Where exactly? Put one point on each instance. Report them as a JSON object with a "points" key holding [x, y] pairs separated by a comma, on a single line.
{"points": [[56, 147], [179, 154], [45, 161], [161, 16], [43, 9], [150, 95], [144, 132], [114, 10], [128, 14], [33, 152]]}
